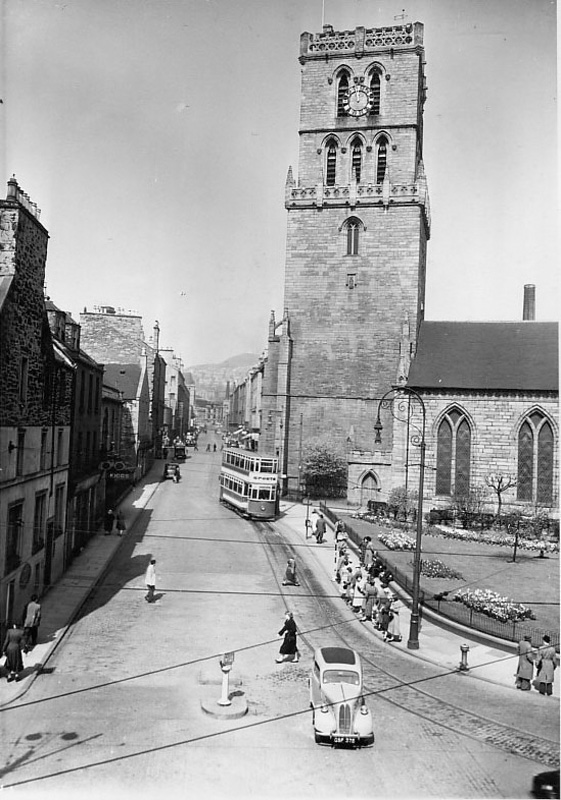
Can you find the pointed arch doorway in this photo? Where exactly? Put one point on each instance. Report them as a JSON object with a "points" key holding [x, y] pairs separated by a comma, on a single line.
{"points": [[369, 488]]}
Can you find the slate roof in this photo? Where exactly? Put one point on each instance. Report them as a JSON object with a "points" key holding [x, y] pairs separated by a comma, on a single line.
{"points": [[511, 356], [125, 378]]}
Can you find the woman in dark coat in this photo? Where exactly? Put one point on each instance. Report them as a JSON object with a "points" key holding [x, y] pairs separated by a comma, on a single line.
{"points": [[289, 649], [12, 648], [290, 574]]}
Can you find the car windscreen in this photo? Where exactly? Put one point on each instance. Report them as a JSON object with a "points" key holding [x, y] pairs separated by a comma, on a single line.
{"points": [[341, 676]]}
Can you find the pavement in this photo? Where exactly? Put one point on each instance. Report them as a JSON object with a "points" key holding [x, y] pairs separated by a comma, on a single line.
{"points": [[61, 605]]}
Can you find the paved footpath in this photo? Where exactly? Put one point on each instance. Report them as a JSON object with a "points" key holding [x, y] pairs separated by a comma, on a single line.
{"points": [[63, 602], [488, 659]]}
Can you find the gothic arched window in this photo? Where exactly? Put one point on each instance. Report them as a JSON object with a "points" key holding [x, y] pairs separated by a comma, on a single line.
{"points": [[342, 91], [353, 227], [375, 87], [453, 454], [382, 160], [535, 460], [356, 159], [331, 164]]}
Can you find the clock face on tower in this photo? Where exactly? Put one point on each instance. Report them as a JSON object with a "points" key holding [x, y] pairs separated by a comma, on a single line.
{"points": [[358, 101]]}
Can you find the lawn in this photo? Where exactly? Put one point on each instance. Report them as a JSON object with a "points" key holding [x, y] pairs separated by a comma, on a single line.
{"points": [[530, 580]]}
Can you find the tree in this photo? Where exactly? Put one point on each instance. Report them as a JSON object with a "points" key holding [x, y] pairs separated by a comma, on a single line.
{"points": [[402, 502], [499, 483], [324, 468]]}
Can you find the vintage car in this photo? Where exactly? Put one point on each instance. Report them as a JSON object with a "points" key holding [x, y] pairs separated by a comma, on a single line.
{"points": [[340, 715], [180, 452], [171, 471]]}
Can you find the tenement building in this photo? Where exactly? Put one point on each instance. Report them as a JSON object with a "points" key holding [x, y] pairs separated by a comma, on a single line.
{"points": [[358, 223], [35, 414]]}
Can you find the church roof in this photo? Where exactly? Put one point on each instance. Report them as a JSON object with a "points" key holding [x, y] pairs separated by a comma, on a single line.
{"points": [[512, 356]]}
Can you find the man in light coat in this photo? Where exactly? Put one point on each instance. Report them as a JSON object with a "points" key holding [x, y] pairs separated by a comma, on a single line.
{"points": [[150, 581]]}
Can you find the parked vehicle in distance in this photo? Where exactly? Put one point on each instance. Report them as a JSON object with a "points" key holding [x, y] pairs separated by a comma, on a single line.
{"points": [[172, 471], [340, 715], [180, 452]]}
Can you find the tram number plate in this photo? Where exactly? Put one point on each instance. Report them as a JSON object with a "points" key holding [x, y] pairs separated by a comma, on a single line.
{"points": [[344, 740]]}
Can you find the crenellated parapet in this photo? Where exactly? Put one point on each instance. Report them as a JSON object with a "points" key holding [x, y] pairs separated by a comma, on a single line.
{"points": [[361, 41], [384, 194]]}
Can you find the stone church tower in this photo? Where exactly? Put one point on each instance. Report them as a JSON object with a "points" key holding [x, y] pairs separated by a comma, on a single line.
{"points": [[358, 225]]}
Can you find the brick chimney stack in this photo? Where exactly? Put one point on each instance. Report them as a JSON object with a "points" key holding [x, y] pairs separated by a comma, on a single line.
{"points": [[529, 310]]}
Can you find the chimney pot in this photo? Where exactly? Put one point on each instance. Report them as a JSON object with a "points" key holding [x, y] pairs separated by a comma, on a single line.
{"points": [[529, 308]]}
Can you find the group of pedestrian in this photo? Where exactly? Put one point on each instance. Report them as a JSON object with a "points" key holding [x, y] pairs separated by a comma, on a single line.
{"points": [[114, 520], [544, 660], [21, 639]]}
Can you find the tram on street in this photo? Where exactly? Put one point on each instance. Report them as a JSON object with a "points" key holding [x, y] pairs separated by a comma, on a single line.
{"points": [[249, 483]]}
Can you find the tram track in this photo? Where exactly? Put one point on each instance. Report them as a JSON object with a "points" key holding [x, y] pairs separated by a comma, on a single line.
{"points": [[380, 681]]}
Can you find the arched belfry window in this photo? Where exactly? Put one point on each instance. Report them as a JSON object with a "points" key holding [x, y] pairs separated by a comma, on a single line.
{"points": [[375, 93], [331, 163], [535, 460], [382, 159], [352, 226], [356, 160], [453, 454], [342, 91]]}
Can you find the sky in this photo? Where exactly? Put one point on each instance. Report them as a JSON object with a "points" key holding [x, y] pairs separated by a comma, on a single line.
{"points": [[156, 136]]}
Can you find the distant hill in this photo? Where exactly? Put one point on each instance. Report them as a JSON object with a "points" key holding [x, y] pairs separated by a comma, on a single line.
{"points": [[211, 379]]}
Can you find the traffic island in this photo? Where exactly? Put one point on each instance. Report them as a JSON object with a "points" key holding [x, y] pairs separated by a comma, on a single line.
{"points": [[236, 709]]}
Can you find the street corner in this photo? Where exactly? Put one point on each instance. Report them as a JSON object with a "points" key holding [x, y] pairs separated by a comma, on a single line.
{"points": [[233, 707]]}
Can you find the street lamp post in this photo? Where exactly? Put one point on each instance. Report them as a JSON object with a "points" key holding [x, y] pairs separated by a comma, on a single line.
{"points": [[394, 401]]}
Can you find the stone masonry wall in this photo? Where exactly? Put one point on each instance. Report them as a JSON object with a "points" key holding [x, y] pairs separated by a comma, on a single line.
{"points": [[112, 338]]}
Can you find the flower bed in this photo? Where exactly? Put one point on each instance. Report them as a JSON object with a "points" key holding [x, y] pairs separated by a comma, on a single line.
{"points": [[396, 540], [435, 568], [492, 538], [493, 605]]}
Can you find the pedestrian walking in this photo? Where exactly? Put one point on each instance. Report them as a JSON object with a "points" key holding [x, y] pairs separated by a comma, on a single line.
{"points": [[289, 648], [525, 671], [214, 448], [12, 649], [31, 620], [314, 521], [368, 555], [547, 660], [342, 562], [290, 574], [109, 521], [150, 581], [320, 528], [120, 523]]}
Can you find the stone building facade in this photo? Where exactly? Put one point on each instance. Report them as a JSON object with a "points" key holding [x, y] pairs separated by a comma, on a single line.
{"points": [[35, 414], [115, 336], [86, 486], [357, 231]]}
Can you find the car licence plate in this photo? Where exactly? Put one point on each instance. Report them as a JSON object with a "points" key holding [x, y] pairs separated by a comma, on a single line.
{"points": [[344, 740]]}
